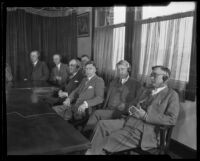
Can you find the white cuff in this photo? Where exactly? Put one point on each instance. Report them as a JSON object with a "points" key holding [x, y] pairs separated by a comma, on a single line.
{"points": [[86, 104], [65, 93], [145, 116]]}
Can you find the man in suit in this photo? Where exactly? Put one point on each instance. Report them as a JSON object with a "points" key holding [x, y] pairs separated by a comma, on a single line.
{"points": [[153, 106], [60, 72], [87, 95], [39, 69], [72, 82], [121, 92]]}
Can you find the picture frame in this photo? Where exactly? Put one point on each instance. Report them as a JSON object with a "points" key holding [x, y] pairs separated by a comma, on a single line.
{"points": [[83, 25]]}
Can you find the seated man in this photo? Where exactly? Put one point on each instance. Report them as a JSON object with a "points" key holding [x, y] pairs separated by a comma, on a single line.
{"points": [[39, 70], [60, 72], [151, 107], [72, 82], [121, 92], [88, 94]]}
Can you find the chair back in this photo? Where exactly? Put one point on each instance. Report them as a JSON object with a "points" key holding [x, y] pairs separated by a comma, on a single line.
{"points": [[165, 137]]}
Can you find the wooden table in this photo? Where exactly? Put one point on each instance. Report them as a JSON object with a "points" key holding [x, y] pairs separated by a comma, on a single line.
{"points": [[34, 128]]}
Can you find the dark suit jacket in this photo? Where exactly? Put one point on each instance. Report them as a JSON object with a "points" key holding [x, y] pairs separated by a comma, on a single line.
{"points": [[72, 83], [162, 110], [92, 92], [129, 91], [63, 73], [40, 72]]}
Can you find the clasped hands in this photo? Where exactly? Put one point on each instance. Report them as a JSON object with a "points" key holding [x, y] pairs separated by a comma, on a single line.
{"points": [[62, 94], [137, 111], [81, 108], [58, 78]]}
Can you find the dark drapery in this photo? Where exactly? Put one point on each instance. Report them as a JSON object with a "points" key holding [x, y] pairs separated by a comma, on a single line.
{"points": [[190, 93], [133, 38], [26, 32]]}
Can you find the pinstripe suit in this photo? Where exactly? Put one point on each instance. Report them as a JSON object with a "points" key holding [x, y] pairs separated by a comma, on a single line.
{"points": [[92, 92]]}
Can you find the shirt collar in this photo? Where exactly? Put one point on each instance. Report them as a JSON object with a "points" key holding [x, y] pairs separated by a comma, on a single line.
{"points": [[73, 74], [89, 78], [59, 65], [35, 63], [157, 90], [125, 80]]}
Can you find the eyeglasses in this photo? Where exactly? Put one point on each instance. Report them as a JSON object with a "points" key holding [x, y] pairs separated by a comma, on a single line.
{"points": [[155, 75], [72, 65]]}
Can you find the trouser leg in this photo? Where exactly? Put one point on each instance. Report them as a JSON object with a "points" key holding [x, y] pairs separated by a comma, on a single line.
{"points": [[122, 139], [101, 133], [96, 116]]}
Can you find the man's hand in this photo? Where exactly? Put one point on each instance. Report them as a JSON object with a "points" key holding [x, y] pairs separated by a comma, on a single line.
{"points": [[82, 107], [67, 102], [137, 112], [58, 78], [121, 107], [62, 94]]}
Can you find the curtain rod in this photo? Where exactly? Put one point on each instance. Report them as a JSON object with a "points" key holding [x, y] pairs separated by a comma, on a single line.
{"points": [[42, 12], [165, 18]]}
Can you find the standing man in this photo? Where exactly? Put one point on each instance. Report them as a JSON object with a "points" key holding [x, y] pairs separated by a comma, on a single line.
{"points": [[87, 95], [39, 69], [121, 92], [60, 72], [156, 106]]}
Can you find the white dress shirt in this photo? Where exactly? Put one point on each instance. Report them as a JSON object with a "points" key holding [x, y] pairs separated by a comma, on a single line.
{"points": [[35, 63], [157, 90], [89, 78], [125, 80], [58, 66]]}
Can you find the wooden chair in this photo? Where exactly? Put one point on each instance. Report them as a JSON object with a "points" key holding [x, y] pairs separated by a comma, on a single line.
{"points": [[165, 136]]}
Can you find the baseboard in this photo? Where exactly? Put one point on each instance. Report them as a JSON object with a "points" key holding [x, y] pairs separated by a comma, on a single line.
{"points": [[182, 150]]}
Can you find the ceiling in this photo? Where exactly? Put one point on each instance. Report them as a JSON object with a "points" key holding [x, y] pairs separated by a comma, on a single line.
{"points": [[54, 8]]}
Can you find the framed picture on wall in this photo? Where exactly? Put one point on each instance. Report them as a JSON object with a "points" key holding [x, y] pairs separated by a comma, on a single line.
{"points": [[83, 25]]}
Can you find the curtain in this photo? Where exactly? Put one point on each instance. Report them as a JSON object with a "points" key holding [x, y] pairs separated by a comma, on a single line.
{"points": [[108, 50], [167, 43], [133, 37], [26, 32], [103, 51], [191, 86]]}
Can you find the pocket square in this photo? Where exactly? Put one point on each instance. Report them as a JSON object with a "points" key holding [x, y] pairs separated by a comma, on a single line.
{"points": [[90, 87], [76, 81]]}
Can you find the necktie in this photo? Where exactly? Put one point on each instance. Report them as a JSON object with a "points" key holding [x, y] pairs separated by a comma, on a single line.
{"points": [[87, 81]]}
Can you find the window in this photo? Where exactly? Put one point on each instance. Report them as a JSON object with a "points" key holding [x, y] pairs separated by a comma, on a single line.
{"points": [[166, 39], [110, 16], [109, 37], [172, 8]]}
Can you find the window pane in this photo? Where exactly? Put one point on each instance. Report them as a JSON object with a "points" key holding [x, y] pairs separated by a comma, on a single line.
{"points": [[110, 15], [167, 43], [119, 15], [172, 8]]}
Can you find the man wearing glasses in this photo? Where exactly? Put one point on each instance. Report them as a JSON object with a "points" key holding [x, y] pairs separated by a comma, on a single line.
{"points": [[157, 105]]}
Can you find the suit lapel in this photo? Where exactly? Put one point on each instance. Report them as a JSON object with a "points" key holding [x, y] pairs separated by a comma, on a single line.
{"points": [[37, 66], [89, 83], [157, 98]]}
